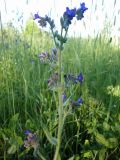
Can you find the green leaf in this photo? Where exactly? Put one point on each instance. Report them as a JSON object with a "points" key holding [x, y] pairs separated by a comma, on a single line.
{"points": [[15, 118], [76, 157], [71, 158], [102, 154], [113, 142], [87, 154], [109, 143], [19, 140], [29, 124], [101, 139], [51, 139], [13, 121], [106, 126], [12, 149]]}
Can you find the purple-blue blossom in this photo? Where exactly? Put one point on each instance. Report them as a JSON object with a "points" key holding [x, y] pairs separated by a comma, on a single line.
{"points": [[50, 21], [80, 11], [31, 141], [80, 78], [68, 15], [71, 78], [83, 8], [27, 132], [54, 54], [77, 103], [42, 22], [36, 16], [64, 97], [80, 101]]}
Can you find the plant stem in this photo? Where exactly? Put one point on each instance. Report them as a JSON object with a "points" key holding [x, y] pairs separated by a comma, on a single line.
{"points": [[60, 107]]}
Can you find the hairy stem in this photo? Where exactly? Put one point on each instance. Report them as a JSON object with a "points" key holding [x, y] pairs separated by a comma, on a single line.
{"points": [[60, 107]]}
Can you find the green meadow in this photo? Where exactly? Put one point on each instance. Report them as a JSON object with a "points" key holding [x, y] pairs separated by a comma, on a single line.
{"points": [[91, 131]]}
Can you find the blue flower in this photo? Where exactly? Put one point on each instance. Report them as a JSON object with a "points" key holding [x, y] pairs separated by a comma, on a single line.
{"points": [[68, 15], [80, 101], [80, 78], [42, 22], [32, 140], [83, 8], [64, 97], [50, 21], [36, 16], [27, 132], [54, 55], [77, 103], [80, 11]]}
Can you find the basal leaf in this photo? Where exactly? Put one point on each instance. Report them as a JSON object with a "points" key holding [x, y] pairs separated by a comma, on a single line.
{"points": [[51, 139]]}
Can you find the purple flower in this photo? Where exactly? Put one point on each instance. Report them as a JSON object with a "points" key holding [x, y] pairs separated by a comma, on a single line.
{"points": [[70, 79], [54, 55], [80, 78], [27, 132], [31, 141], [36, 16], [80, 11], [50, 21], [73, 79], [80, 101], [77, 103], [64, 97], [53, 79], [70, 13], [42, 22], [83, 8], [44, 56]]}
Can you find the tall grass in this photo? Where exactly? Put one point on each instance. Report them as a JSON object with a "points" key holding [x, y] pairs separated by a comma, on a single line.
{"points": [[24, 90]]}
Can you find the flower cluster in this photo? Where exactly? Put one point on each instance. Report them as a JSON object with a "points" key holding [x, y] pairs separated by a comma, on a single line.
{"points": [[65, 21], [80, 11], [36, 16], [67, 78], [76, 103], [53, 80], [72, 103], [69, 14], [47, 57], [44, 56], [44, 20], [71, 78], [67, 17], [58, 79], [64, 97], [31, 141]]}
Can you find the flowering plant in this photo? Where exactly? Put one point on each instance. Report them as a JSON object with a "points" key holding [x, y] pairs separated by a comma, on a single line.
{"points": [[58, 78]]}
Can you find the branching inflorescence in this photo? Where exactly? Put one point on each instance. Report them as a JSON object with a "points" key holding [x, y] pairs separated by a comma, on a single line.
{"points": [[58, 78]]}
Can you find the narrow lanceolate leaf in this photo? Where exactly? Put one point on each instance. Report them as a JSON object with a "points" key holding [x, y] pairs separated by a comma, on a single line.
{"points": [[71, 158], [113, 142], [14, 118], [12, 149], [102, 154], [107, 142], [51, 139], [101, 139]]}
